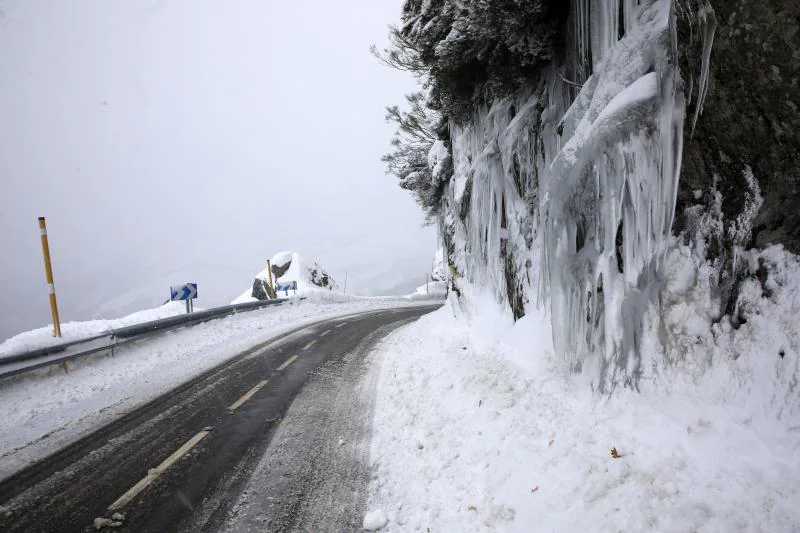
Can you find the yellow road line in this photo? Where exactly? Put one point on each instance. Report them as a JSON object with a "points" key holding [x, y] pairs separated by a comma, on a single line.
{"points": [[287, 363], [153, 473], [247, 395], [310, 344]]}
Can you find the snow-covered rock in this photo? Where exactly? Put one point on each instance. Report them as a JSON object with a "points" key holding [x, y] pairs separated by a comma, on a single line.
{"points": [[288, 267]]}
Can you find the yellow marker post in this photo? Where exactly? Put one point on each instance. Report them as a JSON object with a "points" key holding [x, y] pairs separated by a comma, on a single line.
{"points": [[48, 270], [269, 270]]}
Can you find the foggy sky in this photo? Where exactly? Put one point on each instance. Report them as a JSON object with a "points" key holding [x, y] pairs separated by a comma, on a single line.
{"points": [[185, 140]]}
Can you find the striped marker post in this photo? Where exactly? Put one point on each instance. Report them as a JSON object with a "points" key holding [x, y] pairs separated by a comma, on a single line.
{"points": [[48, 270]]}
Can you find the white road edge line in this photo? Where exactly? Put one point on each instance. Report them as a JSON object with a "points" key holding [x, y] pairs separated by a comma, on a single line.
{"points": [[325, 332], [249, 394], [287, 363], [310, 344], [342, 324], [153, 473]]}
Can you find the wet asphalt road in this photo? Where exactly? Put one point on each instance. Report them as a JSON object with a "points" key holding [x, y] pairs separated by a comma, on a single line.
{"points": [[203, 482]]}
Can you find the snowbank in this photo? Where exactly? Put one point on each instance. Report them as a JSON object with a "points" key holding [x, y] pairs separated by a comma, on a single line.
{"points": [[245, 297], [71, 331], [436, 287], [433, 290], [480, 427]]}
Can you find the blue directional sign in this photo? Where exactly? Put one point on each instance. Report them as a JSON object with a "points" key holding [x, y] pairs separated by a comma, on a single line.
{"points": [[286, 285], [187, 291]]}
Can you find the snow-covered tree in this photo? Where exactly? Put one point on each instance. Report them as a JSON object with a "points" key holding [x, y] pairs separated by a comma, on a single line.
{"points": [[472, 51], [419, 158]]}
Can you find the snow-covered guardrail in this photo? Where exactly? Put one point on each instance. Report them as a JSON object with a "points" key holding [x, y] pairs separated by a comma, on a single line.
{"points": [[19, 363]]}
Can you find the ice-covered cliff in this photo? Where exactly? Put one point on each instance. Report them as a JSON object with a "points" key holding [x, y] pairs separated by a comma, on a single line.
{"points": [[568, 192]]}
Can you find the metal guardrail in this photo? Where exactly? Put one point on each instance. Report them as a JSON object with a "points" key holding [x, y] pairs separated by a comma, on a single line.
{"points": [[59, 353]]}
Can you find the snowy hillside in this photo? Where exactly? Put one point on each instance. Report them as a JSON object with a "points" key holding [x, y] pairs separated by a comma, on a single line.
{"points": [[288, 267]]}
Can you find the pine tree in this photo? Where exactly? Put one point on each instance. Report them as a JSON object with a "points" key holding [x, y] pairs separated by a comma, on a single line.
{"points": [[472, 51], [410, 158]]}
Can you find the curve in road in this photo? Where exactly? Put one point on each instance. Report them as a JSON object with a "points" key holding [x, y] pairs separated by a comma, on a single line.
{"points": [[193, 459]]}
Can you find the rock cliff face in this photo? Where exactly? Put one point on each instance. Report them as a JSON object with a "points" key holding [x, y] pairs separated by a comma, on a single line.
{"points": [[660, 118], [262, 290], [750, 117]]}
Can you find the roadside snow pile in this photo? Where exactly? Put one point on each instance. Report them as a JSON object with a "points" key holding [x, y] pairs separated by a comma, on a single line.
{"points": [[433, 290], [286, 268], [97, 391], [480, 427], [374, 520], [436, 287], [70, 331]]}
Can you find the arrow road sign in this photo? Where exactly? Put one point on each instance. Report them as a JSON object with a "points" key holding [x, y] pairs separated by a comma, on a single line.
{"points": [[286, 285], [183, 292]]}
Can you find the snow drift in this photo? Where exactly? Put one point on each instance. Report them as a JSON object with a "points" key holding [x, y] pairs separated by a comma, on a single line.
{"points": [[76, 330]]}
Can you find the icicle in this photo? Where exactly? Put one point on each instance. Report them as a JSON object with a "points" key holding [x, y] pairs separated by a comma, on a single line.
{"points": [[708, 25], [597, 168], [617, 166], [604, 29], [581, 66]]}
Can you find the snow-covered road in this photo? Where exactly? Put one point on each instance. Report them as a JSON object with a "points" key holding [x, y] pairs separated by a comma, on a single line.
{"points": [[46, 410], [181, 461], [319, 485]]}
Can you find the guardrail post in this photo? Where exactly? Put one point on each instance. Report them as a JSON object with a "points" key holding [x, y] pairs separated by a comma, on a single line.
{"points": [[48, 270]]}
